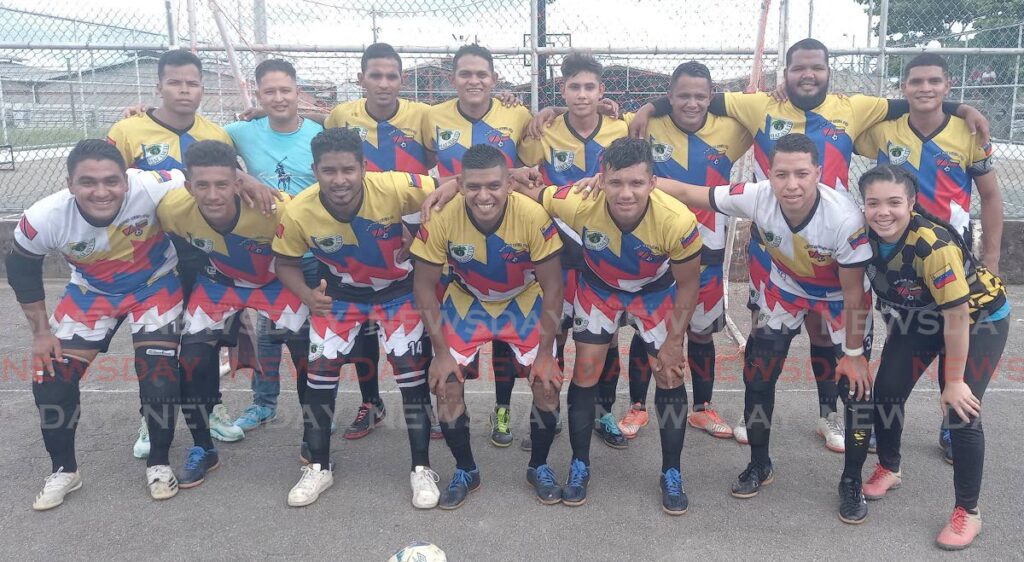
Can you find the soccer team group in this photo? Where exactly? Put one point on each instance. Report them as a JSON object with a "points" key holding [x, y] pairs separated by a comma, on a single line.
{"points": [[575, 220]]}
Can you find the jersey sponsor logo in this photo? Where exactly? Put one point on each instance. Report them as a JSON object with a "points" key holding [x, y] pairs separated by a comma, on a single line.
{"points": [[689, 238], [403, 137], [500, 136], [772, 239], [155, 153], [944, 278], [378, 231], [82, 250], [256, 247], [858, 239], [908, 289], [647, 254], [26, 228], [513, 254], [201, 243], [462, 253], [737, 188], [661, 152], [714, 155], [778, 128], [135, 226], [819, 254], [562, 160], [328, 244], [596, 241], [549, 231], [833, 131], [947, 161], [361, 130], [898, 154], [447, 138]]}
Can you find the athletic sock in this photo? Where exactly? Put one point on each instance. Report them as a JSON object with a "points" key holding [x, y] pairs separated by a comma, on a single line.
{"points": [[671, 407], [608, 382], [542, 433], [701, 359], [581, 420], [456, 435], [823, 364], [639, 368]]}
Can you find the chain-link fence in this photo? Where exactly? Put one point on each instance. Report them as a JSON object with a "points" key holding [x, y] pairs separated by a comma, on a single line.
{"points": [[68, 67]]}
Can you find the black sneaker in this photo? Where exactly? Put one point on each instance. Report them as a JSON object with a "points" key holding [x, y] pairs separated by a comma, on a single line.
{"points": [[673, 497], [750, 481], [461, 485], [545, 483], [853, 508], [368, 416], [198, 462], [574, 492], [608, 429]]}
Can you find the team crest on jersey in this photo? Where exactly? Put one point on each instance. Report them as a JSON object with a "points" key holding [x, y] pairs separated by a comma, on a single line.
{"points": [[361, 130], [316, 351], [779, 128], [447, 138], [562, 160], [661, 152], [512, 254], [328, 244], [772, 239], [82, 250], [908, 289], [201, 243], [898, 154], [579, 323], [155, 153], [462, 252], [595, 240], [135, 226]]}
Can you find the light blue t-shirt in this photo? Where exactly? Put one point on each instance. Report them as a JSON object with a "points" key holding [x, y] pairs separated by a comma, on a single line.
{"points": [[283, 161]]}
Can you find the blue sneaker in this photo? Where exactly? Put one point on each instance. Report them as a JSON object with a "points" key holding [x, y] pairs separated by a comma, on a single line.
{"points": [[255, 416], [198, 462], [574, 493], [673, 497], [946, 444], [462, 484], [545, 483], [608, 429]]}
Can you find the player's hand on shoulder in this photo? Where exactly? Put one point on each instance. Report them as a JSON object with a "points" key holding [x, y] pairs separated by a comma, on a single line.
{"points": [[541, 121], [588, 187], [638, 125], [260, 196], [508, 99], [251, 113], [134, 110], [608, 107]]}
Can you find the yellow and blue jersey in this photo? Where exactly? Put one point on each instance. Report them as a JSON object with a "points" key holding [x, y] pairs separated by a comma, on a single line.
{"points": [[358, 252], [241, 257], [564, 156], [634, 261], [147, 143], [945, 163], [832, 126], [704, 157], [395, 144], [449, 133]]}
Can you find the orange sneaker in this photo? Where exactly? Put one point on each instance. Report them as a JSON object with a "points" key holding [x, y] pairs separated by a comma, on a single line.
{"points": [[633, 420], [709, 420], [959, 533], [882, 480]]}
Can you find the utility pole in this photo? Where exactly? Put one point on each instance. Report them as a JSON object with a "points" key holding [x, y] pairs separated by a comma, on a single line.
{"points": [[259, 16], [374, 28]]}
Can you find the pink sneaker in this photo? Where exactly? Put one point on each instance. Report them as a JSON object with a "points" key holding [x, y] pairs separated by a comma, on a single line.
{"points": [[959, 533], [882, 480]]}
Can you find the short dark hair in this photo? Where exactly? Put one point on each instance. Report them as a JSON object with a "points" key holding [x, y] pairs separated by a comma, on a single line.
{"points": [[795, 143], [177, 57], [274, 65], [475, 50], [927, 59], [808, 44], [625, 152], [211, 153], [93, 149], [691, 68], [483, 157], [380, 51], [577, 62], [341, 139]]}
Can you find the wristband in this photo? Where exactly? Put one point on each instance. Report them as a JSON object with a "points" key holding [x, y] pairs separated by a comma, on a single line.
{"points": [[853, 352]]}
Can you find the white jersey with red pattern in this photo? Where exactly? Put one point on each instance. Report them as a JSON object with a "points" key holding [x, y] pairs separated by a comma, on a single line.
{"points": [[120, 258]]}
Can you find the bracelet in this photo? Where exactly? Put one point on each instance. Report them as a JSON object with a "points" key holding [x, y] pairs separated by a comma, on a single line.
{"points": [[854, 352]]}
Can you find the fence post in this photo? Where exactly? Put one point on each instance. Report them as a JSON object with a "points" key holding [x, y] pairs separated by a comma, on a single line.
{"points": [[172, 34], [534, 59], [191, 7], [963, 72], [259, 16], [1016, 80], [780, 60], [883, 40]]}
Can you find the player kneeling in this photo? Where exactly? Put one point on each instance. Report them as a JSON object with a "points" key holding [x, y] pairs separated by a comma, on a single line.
{"points": [[122, 269], [232, 242], [506, 286]]}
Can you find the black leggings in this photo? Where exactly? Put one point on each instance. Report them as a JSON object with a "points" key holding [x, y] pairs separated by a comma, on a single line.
{"points": [[909, 351]]}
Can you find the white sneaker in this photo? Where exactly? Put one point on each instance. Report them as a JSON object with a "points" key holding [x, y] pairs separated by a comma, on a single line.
{"points": [[141, 448], [424, 487], [831, 428], [313, 482], [58, 485], [740, 432], [222, 428], [162, 483]]}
